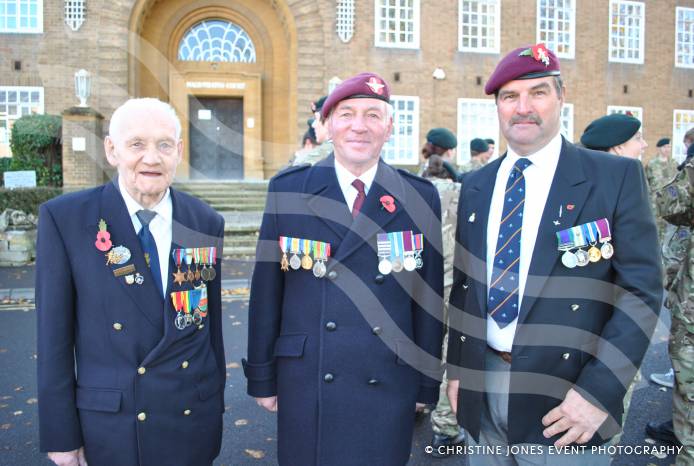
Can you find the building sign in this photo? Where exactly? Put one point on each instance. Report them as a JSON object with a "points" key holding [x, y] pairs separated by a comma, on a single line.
{"points": [[215, 85], [20, 179]]}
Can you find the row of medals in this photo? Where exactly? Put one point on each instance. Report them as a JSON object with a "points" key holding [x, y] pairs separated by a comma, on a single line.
{"points": [[582, 258], [305, 263], [207, 274], [184, 320], [409, 263]]}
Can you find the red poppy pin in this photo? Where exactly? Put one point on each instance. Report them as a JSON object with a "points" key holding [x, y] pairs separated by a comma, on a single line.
{"points": [[538, 52], [103, 237], [570, 207], [388, 203]]}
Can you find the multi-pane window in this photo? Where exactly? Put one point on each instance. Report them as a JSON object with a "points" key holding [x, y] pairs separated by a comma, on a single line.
{"points": [[556, 25], [627, 31], [397, 23], [567, 122], [216, 40], [344, 20], [682, 121], [684, 37], [21, 16], [75, 13], [477, 118], [479, 24], [16, 102], [403, 146]]}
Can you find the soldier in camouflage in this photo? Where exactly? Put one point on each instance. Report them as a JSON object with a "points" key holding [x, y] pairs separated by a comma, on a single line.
{"points": [[660, 170], [479, 155], [675, 203], [324, 148]]}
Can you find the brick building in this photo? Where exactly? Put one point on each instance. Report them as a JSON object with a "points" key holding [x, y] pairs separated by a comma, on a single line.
{"points": [[242, 73]]}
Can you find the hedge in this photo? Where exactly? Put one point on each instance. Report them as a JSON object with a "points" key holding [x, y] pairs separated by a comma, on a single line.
{"points": [[26, 199], [36, 145]]}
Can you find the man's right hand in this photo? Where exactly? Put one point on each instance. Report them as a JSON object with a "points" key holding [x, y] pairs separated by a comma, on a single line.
{"points": [[452, 393], [269, 403], [68, 458]]}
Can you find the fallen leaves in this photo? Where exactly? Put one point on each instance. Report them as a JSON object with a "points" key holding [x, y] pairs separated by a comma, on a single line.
{"points": [[255, 454], [241, 422], [32, 401], [233, 365]]}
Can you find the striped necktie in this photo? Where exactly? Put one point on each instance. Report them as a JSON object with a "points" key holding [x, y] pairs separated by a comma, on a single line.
{"points": [[149, 246], [503, 288]]}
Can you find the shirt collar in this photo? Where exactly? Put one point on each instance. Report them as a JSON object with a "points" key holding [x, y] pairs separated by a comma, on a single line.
{"points": [[163, 208], [545, 158], [345, 177]]}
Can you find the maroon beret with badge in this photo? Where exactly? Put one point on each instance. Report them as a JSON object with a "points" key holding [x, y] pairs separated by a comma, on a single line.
{"points": [[363, 85], [535, 61]]}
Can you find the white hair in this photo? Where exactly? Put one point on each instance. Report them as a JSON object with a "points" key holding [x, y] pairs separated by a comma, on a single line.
{"points": [[146, 104]]}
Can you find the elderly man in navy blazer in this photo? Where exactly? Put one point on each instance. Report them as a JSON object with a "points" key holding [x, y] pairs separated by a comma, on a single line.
{"points": [[130, 356], [557, 285], [345, 332]]}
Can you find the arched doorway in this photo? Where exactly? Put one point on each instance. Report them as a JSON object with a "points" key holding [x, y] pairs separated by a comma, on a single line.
{"points": [[229, 69]]}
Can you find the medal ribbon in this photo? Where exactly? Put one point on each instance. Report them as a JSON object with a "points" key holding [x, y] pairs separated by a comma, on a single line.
{"points": [[565, 240], [306, 246], [213, 253], [394, 253], [177, 257], [577, 235], [604, 230], [189, 256], [419, 242], [186, 301], [205, 256], [202, 305], [383, 243], [590, 231], [407, 239], [194, 298], [327, 250], [177, 299], [294, 245], [196, 255]]}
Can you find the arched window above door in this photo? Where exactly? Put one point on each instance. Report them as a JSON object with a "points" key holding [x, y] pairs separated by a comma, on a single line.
{"points": [[216, 40]]}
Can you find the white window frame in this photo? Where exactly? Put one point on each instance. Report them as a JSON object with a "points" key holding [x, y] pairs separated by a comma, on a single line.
{"points": [[344, 20], [5, 139], [497, 29], [20, 30], [552, 45], [483, 128], [397, 44], [567, 121], [690, 43], [397, 143], [642, 33], [678, 130]]}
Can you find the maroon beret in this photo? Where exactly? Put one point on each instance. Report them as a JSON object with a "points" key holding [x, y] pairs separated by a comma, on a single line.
{"points": [[530, 62], [363, 85]]}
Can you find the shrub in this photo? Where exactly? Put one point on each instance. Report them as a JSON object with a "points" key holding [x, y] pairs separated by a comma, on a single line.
{"points": [[36, 145], [27, 199]]}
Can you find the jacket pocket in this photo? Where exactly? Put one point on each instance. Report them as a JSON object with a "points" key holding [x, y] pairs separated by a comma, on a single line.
{"points": [[208, 386], [290, 346], [98, 399]]}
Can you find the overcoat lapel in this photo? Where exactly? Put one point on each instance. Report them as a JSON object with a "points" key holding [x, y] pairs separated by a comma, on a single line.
{"points": [[146, 297], [569, 190], [324, 197]]}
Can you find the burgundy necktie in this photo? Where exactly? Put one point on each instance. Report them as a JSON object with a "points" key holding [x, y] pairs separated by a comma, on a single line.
{"points": [[361, 197]]}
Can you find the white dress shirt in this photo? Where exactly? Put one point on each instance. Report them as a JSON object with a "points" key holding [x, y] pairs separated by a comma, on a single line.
{"points": [[161, 226], [345, 179], [538, 180]]}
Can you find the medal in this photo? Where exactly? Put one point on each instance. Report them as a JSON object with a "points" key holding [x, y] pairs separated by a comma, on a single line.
{"points": [[211, 272], [607, 250], [396, 243], [569, 259], [178, 276], [590, 230], [383, 248], [197, 255], [190, 275], [284, 246], [294, 261], [204, 274], [594, 254], [320, 252], [409, 263], [582, 258], [139, 279], [178, 298], [306, 262], [418, 248], [118, 255]]}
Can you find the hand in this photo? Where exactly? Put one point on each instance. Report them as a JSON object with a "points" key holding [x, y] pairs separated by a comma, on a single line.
{"points": [[575, 416], [68, 458], [269, 403], [452, 393]]}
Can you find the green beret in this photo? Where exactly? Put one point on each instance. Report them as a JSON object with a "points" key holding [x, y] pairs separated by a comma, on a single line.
{"points": [[318, 104], [479, 145], [442, 137], [662, 142], [610, 131]]}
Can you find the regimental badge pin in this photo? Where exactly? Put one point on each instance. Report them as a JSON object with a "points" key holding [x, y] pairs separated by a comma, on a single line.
{"points": [[130, 279], [471, 218], [557, 223]]}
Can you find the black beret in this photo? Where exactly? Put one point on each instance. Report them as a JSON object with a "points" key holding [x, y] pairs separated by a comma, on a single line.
{"points": [[662, 142], [479, 145], [610, 131], [442, 137], [489, 141], [318, 104]]}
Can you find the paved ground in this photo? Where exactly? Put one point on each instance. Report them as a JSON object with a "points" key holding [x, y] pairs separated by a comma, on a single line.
{"points": [[249, 433]]}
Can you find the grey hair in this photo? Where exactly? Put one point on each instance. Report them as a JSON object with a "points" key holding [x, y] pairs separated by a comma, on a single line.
{"points": [[558, 85], [143, 104]]}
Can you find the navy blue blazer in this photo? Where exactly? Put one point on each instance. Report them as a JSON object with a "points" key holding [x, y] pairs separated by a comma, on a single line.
{"points": [[585, 328], [109, 351], [340, 352]]}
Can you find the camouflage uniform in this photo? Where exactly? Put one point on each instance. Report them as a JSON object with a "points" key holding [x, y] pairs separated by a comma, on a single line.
{"points": [[473, 164], [443, 420], [314, 155], [675, 203], [660, 172]]}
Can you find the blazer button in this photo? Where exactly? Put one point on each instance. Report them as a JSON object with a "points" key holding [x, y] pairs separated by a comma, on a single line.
{"points": [[328, 377], [186, 412], [142, 417], [462, 338], [117, 326], [376, 330], [575, 307], [565, 356], [373, 382], [141, 370], [332, 275], [379, 279], [201, 326], [184, 364], [331, 326]]}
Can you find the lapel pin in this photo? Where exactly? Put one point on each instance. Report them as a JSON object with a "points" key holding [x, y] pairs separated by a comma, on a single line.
{"points": [[471, 218], [570, 206], [557, 223], [139, 279], [560, 210], [130, 279]]}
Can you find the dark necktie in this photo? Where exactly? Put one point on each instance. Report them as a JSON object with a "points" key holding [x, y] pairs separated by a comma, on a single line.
{"points": [[149, 246], [503, 288], [361, 197]]}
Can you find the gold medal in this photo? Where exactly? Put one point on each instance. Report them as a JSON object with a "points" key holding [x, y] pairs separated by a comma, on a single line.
{"points": [[306, 262], [594, 254], [284, 263]]}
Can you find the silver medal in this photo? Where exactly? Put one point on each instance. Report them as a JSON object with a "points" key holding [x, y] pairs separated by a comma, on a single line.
{"points": [[606, 250], [410, 263], [197, 318], [397, 265], [180, 321], [569, 259], [582, 258], [130, 279], [295, 262], [385, 266], [139, 279], [319, 269], [189, 319]]}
